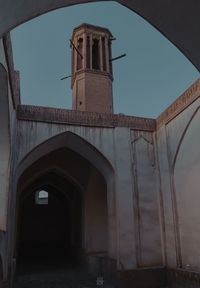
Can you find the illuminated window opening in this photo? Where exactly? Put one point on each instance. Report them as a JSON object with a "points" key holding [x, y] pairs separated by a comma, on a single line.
{"points": [[41, 197]]}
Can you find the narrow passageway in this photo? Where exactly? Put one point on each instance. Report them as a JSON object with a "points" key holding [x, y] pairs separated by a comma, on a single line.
{"points": [[48, 238], [47, 249], [49, 254]]}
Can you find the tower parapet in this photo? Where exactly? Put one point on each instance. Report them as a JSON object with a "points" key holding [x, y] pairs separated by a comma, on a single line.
{"points": [[92, 69]]}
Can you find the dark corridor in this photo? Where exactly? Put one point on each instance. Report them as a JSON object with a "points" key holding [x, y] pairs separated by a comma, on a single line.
{"points": [[49, 233]]}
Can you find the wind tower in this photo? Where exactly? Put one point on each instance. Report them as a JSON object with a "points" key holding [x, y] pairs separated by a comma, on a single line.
{"points": [[92, 75]]}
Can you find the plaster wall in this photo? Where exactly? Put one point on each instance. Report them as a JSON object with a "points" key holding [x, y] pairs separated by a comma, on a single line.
{"points": [[5, 147], [7, 127], [4, 61], [31, 134], [144, 171], [5, 102], [166, 205], [7, 144], [186, 185], [179, 162], [95, 218], [110, 142]]}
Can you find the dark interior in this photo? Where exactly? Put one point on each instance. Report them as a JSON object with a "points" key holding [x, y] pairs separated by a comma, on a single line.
{"points": [[50, 234]]}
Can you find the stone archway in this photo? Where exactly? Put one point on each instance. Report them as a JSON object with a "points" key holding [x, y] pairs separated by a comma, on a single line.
{"points": [[74, 162], [49, 229]]}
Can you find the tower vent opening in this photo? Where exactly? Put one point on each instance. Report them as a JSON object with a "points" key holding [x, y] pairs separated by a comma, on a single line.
{"points": [[95, 55], [79, 58]]}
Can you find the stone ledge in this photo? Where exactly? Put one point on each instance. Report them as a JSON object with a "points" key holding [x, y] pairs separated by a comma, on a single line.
{"points": [[180, 278], [187, 98], [83, 118]]}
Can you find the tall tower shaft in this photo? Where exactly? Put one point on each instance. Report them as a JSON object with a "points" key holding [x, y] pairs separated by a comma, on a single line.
{"points": [[92, 69]]}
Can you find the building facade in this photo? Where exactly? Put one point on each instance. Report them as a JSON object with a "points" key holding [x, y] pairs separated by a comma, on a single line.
{"points": [[129, 184]]}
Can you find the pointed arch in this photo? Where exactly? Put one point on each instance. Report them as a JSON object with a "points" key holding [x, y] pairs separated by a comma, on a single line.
{"points": [[143, 138], [55, 170], [73, 142], [97, 168], [185, 194], [182, 138]]}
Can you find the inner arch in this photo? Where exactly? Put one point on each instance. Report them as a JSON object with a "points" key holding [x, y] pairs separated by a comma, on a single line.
{"points": [[74, 222]]}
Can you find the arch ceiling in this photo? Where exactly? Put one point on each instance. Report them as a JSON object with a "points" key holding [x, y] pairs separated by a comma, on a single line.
{"points": [[74, 143], [178, 20]]}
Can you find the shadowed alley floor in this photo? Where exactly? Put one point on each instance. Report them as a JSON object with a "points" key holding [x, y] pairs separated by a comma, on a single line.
{"points": [[49, 275]]}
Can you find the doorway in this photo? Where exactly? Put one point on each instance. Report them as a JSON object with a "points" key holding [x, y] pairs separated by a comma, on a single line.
{"points": [[49, 224]]}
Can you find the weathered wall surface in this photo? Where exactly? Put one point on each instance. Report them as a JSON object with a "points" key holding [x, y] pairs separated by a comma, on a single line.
{"points": [[153, 196], [132, 156], [4, 146], [145, 196], [95, 215], [156, 174], [179, 161], [7, 128], [8, 116], [32, 134]]}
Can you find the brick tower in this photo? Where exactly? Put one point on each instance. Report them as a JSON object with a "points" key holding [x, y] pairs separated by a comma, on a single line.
{"points": [[92, 69]]}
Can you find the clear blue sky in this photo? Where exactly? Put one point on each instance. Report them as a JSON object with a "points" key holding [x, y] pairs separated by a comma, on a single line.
{"points": [[152, 75]]}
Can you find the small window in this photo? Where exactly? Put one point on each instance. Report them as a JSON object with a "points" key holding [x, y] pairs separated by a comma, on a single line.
{"points": [[41, 197]]}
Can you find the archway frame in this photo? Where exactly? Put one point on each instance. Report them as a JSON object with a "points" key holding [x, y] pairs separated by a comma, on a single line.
{"points": [[70, 197], [53, 169], [80, 146], [29, 188]]}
